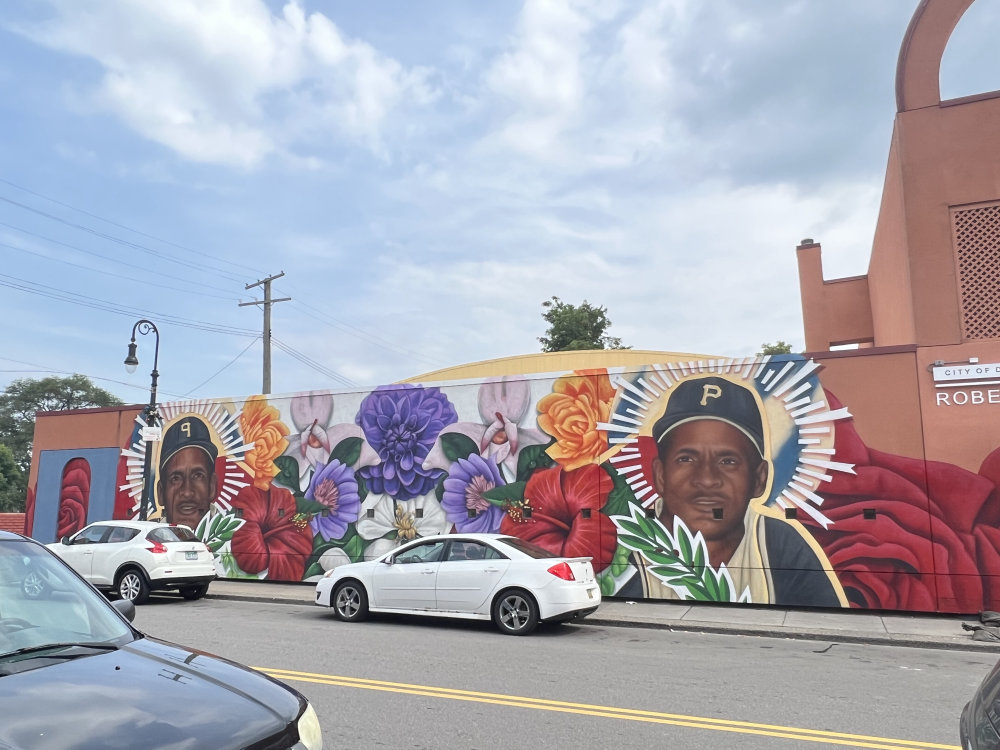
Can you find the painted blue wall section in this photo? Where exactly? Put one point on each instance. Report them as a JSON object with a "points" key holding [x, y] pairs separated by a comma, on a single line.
{"points": [[103, 470]]}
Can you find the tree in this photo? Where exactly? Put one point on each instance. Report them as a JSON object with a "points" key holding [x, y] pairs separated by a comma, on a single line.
{"points": [[12, 483], [778, 347], [25, 396], [573, 327]]}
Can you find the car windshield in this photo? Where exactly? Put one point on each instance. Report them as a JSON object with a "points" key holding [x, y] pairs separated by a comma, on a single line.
{"points": [[172, 534], [42, 602], [531, 550]]}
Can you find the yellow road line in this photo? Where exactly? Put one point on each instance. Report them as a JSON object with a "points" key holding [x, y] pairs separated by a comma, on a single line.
{"points": [[610, 712]]}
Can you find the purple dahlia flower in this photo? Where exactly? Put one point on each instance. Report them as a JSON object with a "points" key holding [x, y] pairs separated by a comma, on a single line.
{"points": [[401, 422], [334, 486], [463, 492]]}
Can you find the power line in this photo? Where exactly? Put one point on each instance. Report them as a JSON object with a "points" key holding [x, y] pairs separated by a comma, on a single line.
{"points": [[313, 364], [116, 275], [314, 312], [51, 371], [384, 344], [219, 371], [118, 240], [96, 304], [104, 219]]}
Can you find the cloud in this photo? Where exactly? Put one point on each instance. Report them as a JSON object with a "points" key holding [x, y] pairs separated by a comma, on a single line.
{"points": [[231, 83]]}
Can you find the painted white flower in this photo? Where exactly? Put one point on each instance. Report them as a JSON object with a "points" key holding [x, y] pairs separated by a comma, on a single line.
{"points": [[333, 558], [503, 404], [311, 414], [421, 516]]}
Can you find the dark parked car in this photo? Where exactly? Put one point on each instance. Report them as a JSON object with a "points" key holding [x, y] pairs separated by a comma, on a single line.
{"points": [[980, 724], [75, 673]]}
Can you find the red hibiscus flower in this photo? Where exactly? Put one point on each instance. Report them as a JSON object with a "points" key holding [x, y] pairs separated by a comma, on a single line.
{"points": [[559, 521], [918, 553], [272, 537], [74, 497]]}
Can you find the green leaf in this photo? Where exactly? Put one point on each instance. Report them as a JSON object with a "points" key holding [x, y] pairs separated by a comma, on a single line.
{"points": [[620, 562], [455, 445], [630, 526], [355, 548], [309, 507], [621, 493], [439, 489], [683, 541], [347, 451], [699, 557], [288, 473], [638, 543], [606, 583], [362, 486], [314, 569], [531, 458], [724, 593], [506, 494]]}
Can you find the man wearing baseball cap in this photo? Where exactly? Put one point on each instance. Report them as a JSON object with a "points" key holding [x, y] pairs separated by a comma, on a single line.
{"points": [[712, 462], [186, 482]]}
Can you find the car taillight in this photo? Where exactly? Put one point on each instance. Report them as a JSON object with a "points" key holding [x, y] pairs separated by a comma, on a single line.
{"points": [[157, 548], [562, 570]]}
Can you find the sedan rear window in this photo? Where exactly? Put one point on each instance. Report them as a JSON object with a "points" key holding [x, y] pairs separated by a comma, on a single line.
{"points": [[531, 550], [172, 534]]}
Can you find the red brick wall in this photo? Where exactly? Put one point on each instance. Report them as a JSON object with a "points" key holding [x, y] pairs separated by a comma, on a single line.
{"points": [[12, 522]]}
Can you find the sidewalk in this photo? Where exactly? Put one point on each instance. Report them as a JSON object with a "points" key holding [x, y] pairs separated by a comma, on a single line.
{"points": [[849, 626]]}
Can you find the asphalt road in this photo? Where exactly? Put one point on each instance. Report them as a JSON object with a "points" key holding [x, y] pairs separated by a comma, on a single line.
{"points": [[409, 683]]}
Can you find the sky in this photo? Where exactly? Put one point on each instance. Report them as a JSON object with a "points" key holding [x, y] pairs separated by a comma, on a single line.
{"points": [[425, 175]]}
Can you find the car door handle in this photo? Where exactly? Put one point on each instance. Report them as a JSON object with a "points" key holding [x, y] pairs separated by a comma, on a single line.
{"points": [[491, 570], [427, 572]]}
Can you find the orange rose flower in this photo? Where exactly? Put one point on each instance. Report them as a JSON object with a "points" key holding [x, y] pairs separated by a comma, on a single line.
{"points": [[261, 425], [570, 414]]}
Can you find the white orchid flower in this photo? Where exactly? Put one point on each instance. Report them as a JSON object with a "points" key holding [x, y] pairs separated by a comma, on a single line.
{"points": [[422, 516]]}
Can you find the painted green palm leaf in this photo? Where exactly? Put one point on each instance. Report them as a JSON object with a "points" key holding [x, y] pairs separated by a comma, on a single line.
{"points": [[679, 560], [216, 530]]}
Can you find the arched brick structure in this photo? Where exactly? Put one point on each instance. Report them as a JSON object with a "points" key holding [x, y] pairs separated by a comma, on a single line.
{"points": [[918, 72]]}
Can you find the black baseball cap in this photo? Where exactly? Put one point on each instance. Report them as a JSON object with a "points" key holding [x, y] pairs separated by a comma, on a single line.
{"points": [[713, 398], [189, 432]]}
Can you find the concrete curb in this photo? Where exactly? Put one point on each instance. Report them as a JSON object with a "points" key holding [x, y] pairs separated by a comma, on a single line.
{"points": [[819, 634]]}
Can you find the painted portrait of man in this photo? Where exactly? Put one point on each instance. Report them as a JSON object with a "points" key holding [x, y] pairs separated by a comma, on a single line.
{"points": [[712, 471], [186, 484]]}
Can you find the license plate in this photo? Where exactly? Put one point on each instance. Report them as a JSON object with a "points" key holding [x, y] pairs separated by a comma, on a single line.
{"points": [[190, 555]]}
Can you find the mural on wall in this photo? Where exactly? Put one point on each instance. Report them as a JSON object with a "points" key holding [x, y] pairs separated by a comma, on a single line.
{"points": [[74, 497], [720, 480]]}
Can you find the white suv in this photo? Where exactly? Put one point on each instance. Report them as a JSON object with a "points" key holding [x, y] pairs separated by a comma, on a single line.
{"points": [[133, 558]]}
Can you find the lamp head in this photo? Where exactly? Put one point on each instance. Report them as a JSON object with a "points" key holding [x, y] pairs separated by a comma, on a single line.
{"points": [[131, 361]]}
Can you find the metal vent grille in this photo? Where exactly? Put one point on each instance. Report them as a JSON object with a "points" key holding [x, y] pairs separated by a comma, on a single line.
{"points": [[977, 243]]}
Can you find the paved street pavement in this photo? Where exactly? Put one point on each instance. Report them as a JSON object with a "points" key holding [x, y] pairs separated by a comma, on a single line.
{"points": [[849, 626]]}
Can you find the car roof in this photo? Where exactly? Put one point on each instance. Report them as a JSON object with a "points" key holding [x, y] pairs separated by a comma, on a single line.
{"points": [[458, 535], [12, 536], [132, 524]]}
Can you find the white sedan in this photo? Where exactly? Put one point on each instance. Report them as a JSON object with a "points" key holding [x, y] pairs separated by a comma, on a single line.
{"points": [[132, 558], [472, 576]]}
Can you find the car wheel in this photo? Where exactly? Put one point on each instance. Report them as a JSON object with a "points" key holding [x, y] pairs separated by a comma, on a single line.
{"points": [[350, 602], [194, 592], [132, 586], [515, 612], [34, 586]]}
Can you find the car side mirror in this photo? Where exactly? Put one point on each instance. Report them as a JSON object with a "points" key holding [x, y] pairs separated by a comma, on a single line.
{"points": [[125, 608], [64, 540]]}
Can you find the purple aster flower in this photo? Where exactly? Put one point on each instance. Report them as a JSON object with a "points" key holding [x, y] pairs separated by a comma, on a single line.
{"points": [[463, 492], [334, 486], [401, 422]]}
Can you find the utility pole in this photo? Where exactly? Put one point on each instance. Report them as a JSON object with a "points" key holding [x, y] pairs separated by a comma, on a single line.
{"points": [[267, 302]]}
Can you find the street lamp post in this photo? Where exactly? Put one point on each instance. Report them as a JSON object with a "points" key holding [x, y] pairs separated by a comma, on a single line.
{"points": [[131, 363]]}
